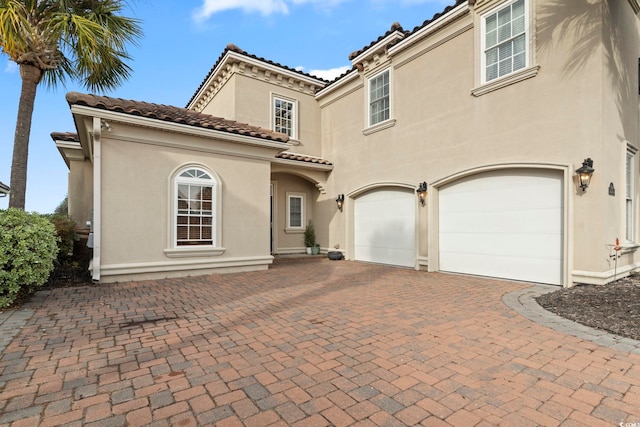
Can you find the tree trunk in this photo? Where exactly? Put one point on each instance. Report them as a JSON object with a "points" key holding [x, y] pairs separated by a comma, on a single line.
{"points": [[30, 78]]}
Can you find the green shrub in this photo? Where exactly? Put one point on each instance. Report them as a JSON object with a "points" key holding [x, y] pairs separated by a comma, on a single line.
{"points": [[309, 235], [66, 232], [28, 247]]}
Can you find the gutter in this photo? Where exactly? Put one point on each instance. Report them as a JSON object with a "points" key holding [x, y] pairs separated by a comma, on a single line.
{"points": [[97, 197]]}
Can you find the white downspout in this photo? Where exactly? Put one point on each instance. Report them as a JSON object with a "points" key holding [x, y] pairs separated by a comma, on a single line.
{"points": [[97, 208]]}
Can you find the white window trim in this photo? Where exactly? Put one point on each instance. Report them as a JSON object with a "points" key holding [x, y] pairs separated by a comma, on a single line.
{"points": [[530, 69], [630, 234], [384, 124], [289, 228], [175, 251], [294, 121]]}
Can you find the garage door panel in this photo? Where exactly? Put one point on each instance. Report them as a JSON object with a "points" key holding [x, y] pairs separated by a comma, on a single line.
{"points": [[540, 270], [504, 224], [508, 221], [525, 198], [542, 246], [385, 255], [384, 230]]}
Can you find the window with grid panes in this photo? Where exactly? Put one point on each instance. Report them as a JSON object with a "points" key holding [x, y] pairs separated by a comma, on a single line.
{"points": [[295, 211], [505, 40], [195, 208], [379, 102], [284, 116]]}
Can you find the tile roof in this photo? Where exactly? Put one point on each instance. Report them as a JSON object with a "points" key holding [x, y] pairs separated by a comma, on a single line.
{"points": [[303, 158], [4, 188], [65, 136], [233, 48], [173, 114], [395, 27], [437, 16]]}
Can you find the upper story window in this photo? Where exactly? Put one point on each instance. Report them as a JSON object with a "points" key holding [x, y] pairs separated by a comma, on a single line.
{"points": [[379, 98], [284, 116], [195, 217], [505, 40]]}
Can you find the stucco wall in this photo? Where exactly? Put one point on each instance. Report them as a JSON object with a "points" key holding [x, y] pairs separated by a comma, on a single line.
{"points": [[621, 50], [80, 191], [136, 204], [223, 104], [250, 102], [559, 117]]}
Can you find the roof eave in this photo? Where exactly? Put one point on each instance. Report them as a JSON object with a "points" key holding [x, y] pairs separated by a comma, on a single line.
{"points": [[429, 29], [82, 110], [70, 150], [301, 164], [381, 45], [232, 57]]}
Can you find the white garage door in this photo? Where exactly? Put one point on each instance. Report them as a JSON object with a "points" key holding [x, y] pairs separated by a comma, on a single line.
{"points": [[504, 224], [385, 227]]}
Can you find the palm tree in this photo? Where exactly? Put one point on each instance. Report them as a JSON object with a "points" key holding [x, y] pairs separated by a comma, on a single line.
{"points": [[52, 40]]}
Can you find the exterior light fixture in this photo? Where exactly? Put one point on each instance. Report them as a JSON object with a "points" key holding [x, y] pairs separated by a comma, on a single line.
{"points": [[584, 173], [340, 201], [422, 192]]}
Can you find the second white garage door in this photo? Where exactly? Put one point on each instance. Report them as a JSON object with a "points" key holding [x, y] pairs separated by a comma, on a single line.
{"points": [[385, 227], [505, 224]]}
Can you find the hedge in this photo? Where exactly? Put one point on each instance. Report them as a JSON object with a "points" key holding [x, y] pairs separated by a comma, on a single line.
{"points": [[28, 248]]}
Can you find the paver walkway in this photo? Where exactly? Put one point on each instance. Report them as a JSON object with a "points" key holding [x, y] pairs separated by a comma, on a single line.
{"points": [[307, 343]]}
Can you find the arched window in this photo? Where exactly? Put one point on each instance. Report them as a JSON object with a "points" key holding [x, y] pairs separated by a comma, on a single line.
{"points": [[195, 208]]}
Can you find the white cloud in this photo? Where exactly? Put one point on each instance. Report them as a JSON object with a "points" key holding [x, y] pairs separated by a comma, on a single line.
{"points": [[265, 7], [11, 67], [331, 73]]}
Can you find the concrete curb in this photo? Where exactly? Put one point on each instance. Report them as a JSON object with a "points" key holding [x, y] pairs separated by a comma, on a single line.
{"points": [[524, 302]]}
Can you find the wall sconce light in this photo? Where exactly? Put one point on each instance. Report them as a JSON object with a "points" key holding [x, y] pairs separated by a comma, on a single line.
{"points": [[340, 201], [584, 173], [422, 192]]}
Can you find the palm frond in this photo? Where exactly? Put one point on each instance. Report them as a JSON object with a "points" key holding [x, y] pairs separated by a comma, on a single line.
{"points": [[81, 39]]}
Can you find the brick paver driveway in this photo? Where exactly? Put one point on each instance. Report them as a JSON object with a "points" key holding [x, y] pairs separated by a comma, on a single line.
{"points": [[307, 343]]}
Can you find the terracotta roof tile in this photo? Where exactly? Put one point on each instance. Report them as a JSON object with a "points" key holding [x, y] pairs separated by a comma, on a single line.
{"points": [[437, 16], [394, 28], [173, 114], [303, 158], [398, 27], [65, 136], [233, 48]]}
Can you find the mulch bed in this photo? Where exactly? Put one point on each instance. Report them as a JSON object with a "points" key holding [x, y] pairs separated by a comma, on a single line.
{"points": [[614, 307]]}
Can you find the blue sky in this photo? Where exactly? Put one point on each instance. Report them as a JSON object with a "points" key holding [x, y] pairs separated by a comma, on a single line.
{"points": [[182, 41]]}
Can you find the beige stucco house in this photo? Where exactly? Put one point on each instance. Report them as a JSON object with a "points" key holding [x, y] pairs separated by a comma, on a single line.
{"points": [[493, 104]]}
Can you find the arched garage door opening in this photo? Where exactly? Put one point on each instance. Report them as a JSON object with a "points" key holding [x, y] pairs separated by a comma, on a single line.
{"points": [[505, 223], [385, 227]]}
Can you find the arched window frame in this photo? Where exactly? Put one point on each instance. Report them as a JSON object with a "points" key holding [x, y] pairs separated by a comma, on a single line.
{"points": [[193, 175]]}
